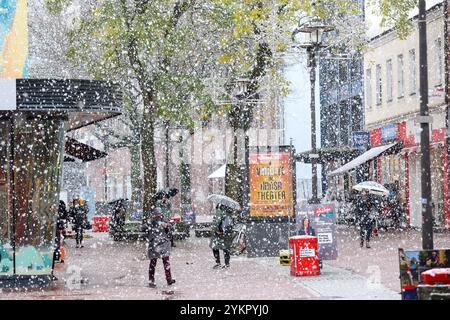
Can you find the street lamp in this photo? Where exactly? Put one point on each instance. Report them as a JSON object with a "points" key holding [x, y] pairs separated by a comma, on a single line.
{"points": [[240, 120], [313, 30]]}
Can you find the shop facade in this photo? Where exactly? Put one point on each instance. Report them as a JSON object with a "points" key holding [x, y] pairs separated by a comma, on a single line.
{"points": [[33, 124], [400, 169]]}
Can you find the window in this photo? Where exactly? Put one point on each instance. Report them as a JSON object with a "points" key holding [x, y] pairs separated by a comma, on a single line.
{"points": [[438, 60], [369, 88], [412, 72], [128, 186], [400, 87], [379, 92], [389, 80]]}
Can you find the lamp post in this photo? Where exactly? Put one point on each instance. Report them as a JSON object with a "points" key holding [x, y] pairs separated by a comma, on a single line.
{"points": [[313, 29], [424, 120], [240, 120]]}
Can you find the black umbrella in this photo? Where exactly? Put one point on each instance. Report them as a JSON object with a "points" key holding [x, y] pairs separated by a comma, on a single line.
{"points": [[159, 195], [171, 192]]}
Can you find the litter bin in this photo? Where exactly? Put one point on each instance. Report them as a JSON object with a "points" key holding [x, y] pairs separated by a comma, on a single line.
{"points": [[304, 256]]}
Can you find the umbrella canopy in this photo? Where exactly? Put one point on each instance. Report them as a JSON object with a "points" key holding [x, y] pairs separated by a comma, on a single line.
{"points": [[171, 192], [224, 200], [373, 188]]}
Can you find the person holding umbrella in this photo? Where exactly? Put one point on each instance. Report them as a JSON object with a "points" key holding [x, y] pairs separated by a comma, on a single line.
{"points": [[163, 204], [222, 234], [222, 228], [366, 214], [159, 247]]}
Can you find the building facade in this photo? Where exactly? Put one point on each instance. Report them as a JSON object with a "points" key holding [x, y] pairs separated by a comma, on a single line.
{"points": [[392, 104], [341, 108]]}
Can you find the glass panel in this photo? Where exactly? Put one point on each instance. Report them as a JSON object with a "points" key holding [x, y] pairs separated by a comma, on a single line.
{"points": [[6, 249], [37, 160]]}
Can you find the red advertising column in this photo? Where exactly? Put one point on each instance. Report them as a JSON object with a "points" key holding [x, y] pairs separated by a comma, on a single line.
{"points": [[304, 256]]}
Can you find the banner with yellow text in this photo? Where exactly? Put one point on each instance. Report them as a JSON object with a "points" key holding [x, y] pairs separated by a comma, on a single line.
{"points": [[271, 185]]}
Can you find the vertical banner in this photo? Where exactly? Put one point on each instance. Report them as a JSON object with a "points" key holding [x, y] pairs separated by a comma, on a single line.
{"points": [[322, 218], [13, 39], [271, 184]]}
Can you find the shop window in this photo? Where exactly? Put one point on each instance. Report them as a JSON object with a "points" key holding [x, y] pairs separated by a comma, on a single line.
{"points": [[412, 72], [389, 83], [38, 146], [369, 88], [6, 254], [400, 76], [438, 60], [379, 85]]}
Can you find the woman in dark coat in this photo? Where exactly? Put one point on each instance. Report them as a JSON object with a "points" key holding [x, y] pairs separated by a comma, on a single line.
{"points": [[306, 229], [222, 235], [159, 247]]}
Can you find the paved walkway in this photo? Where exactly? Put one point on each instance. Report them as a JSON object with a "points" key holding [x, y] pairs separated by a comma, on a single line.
{"points": [[380, 263], [118, 270]]}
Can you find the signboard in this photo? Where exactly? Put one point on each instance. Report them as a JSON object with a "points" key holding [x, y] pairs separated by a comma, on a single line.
{"points": [[271, 184], [438, 92], [361, 140], [414, 262], [389, 132], [323, 220], [14, 39]]}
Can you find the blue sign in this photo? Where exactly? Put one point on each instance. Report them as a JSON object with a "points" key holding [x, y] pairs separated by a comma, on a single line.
{"points": [[389, 132], [361, 140]]}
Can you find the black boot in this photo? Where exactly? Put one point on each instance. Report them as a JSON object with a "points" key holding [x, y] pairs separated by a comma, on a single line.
{"points": [[170, 282]]}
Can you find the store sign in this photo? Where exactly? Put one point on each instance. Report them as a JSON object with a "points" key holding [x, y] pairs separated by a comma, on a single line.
{"points": [[271, 184], [8, 95], [361, 140], [389, 132]]}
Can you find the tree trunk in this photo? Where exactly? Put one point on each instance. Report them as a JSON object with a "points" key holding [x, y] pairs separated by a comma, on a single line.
{"points": [[148, 155], [185, 175], [233, 174], [136, 181]]}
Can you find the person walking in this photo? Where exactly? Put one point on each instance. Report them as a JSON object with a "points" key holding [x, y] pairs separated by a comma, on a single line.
{"points": [[79, 215], [166, 209], [222, 235], [60, 228], [159, 247], [367, 213]]}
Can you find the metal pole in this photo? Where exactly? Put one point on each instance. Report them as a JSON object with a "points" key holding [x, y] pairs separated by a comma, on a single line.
{"points": [[427, 217], [106, 182], [312, 59]]}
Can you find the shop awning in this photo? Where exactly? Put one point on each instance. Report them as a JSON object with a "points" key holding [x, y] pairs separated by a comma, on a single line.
{"points": [[82, 151], [219, 173], [366, 156]]}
